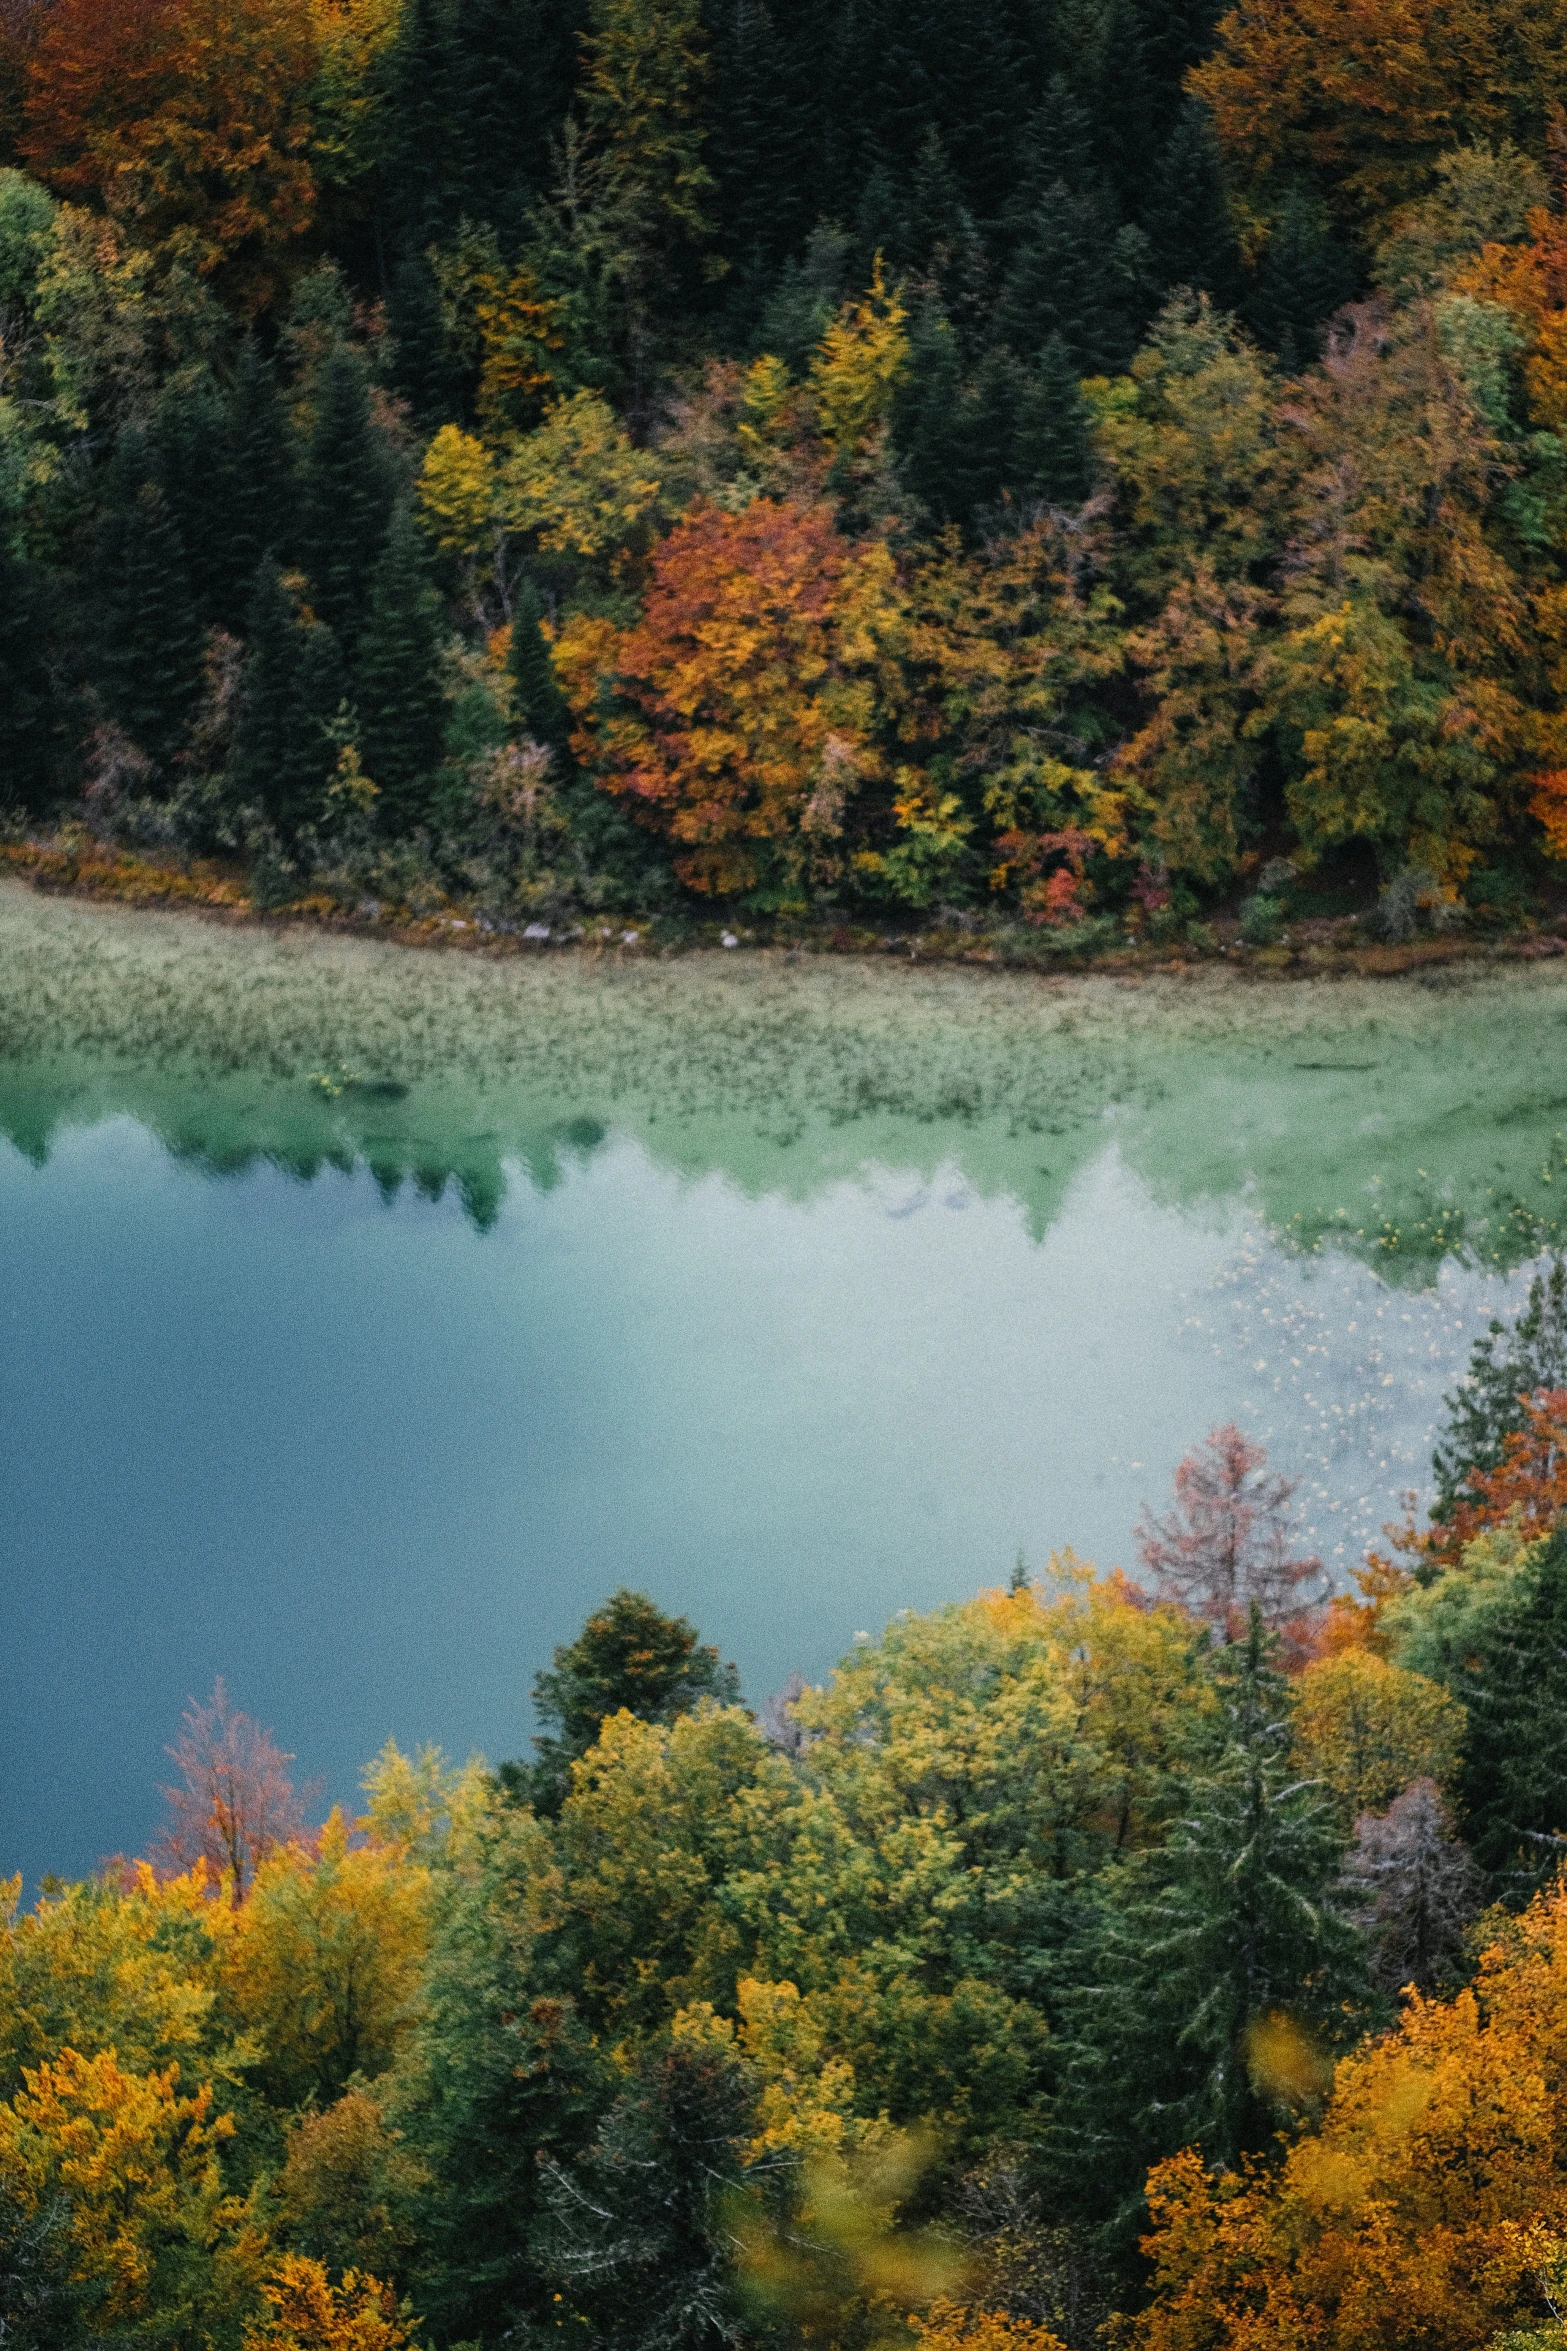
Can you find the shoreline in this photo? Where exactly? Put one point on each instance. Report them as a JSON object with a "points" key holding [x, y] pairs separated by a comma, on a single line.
{"points": [[1318, 949]]}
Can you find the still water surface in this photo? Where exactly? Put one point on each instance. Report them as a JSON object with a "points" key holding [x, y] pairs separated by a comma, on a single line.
{"points": [[364, 1317]]}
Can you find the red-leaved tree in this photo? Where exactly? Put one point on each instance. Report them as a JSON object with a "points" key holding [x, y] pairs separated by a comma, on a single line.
{"points": [[1228, 1541], [235, 1802]]}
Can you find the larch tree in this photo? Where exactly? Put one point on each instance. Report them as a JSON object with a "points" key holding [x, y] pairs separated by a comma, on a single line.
{"points": [[1227, 1546], [234, 1802]]}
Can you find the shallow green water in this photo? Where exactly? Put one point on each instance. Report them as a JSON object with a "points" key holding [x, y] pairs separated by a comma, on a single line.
{"points": [[366, 1315]]}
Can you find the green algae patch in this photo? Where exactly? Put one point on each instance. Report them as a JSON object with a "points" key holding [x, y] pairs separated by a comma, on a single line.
{"points": [[1404, 1121]]}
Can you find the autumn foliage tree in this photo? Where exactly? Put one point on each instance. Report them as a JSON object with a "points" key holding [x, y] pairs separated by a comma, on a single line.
{"points": [[234, 1802], [1429, 2210], [188, 119], [750, 708], [1227, 1543]]}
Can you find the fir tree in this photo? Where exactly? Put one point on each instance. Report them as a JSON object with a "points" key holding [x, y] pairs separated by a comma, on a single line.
{"points": [[1054, 451], [150, 643], [195, 472], [402, 709], [928, 421], [1305, 275], [1512, 1782], [629, 1655], [541, 706], [1523, 1358], [423, 360], [348, 498], [293, 686], [264, 484], [419, 178], [1219, 1959], [27, 722], [1187, 222], [1059, 285]]}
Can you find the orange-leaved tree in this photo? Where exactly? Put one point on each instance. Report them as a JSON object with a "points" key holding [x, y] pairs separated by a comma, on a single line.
{"points": [[1527, 1490], [189, 119], [1429, 2209], [753, 701], [1365, 94]]}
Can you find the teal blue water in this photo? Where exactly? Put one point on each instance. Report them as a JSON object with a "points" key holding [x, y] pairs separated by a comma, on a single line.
{"points": [[365, 1316]]}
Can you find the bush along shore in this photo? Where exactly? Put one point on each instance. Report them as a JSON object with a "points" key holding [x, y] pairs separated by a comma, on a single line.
{"points": [[72, 862]]}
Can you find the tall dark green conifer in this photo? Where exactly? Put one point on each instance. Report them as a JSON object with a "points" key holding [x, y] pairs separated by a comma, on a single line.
{"points": [[1190, 235], [293, 686], [1054, 458], [1305, 275], [397, 680], [1512, 1786], [1060, 284], [27, 718], [541, 706], [929, 423], [347, 497], [1234, 1929], [149, 664], [195, 472], [265, 486]]}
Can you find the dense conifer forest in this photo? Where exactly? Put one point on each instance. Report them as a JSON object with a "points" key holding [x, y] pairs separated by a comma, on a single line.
{"points": [[1090, 464], [1161, 1964]]}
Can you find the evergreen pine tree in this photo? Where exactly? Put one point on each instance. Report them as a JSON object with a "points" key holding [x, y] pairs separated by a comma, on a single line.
{"points": [[397, 678], [628, 1656], [511, 69], [1304, 276], [293, 684], [27, 726], [425, 371], [418, 175], [928, 421], [1058, 144], [1228, 1940], [1191, 239], [194, 469], [1123, 103], [347, 497], [1054, 452], [1058, 284], [149, 663], [1512, 1783], [541, 706], [1512, 1361], [264, 493]]}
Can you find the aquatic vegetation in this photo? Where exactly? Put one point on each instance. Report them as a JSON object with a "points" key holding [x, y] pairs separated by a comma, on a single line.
{"points": [[1400, 1124]]}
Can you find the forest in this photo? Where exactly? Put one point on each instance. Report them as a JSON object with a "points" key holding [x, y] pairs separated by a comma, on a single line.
{"points": [[1161, 1965], [1084, 464]]}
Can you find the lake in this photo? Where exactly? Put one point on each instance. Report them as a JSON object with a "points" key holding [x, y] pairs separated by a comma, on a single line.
{"points": [[366, 1315]]}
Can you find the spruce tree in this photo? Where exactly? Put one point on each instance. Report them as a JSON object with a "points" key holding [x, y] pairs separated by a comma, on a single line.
{"points": [[418, 174], [1212, 1958], [425, 371], [1304, 276], [1512, 1361], [293, 685], [397, 680], [149, 665], [1512, 1783], [1058, 284], [1187, 223], [928, 421], [194, 470], [628, 1656], [1054, 452], [27, 718], [265, 487], [541, 706], [347, 497]]}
